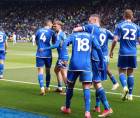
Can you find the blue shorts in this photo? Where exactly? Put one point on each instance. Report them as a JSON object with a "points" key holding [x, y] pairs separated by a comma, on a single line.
{"points": [[84, 76], [41, 62], [60, 65], [98, 75], [126, 62], [2, 55]]}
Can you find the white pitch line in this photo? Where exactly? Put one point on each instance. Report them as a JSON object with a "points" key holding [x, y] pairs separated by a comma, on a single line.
{"points": [[79, 89]]}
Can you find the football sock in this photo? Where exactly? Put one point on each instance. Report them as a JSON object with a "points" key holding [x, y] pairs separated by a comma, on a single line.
{"points": [[48, 77], [123, 80], [69, 95], [41, 80], [87, 99], [130, 83], [112, 78], [1, 69], [97, 100], [102, 96], [60, 84]]}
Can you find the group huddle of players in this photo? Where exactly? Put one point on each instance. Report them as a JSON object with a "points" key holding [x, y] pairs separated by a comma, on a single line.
{"points": [[89, 59]]}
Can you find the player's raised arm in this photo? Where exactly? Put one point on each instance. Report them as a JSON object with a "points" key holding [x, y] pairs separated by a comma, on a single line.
{"points": [[78, 29]]}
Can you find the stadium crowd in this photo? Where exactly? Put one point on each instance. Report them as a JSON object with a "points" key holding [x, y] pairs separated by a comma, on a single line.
{"points": [[24, 20]]}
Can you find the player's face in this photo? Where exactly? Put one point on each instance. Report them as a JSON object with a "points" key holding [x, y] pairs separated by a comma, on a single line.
{"points": [[57, 27]]}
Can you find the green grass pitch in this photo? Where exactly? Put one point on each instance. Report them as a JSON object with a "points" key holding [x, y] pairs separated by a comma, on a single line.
{"points": [[20, 66]]}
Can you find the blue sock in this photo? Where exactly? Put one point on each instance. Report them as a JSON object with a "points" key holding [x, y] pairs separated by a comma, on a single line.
{"points": [[87, 99], [48, 77], [123, 80], [102, 96], [97, 100], [114, 81], [41, 80], [1, 69], [130, 83], [69, 95]]}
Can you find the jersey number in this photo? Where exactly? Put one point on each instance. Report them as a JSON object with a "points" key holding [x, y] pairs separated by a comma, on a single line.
{"points": [[83, 44], [102, 39], [43, 37], [126, 35], [1, 38]]}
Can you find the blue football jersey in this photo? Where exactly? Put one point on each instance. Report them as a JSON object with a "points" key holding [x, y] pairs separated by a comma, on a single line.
{"points": [[94, 30], [82, 43], [104, 36], [128, 34], [44, 36], [2, 41]]}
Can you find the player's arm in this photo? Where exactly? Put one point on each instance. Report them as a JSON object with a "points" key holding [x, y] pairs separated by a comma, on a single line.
{"points": [[64, 52], [78, 29], [110, 35], [115, 40], [6, 42]]}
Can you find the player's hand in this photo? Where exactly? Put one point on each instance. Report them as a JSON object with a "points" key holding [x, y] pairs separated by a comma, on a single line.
{"points": [[111, 55], [65, 62], [41, 50]]}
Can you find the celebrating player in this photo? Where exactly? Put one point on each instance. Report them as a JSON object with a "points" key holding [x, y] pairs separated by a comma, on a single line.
{"points": [[3, 49], [94, 28], [127, 33], [80, 66], [60, 69], [44, 57]]}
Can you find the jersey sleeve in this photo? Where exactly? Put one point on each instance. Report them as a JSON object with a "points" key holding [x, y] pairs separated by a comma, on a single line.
{"points": [[110, 35], [85, 28], [64, 52], [117, 29]]}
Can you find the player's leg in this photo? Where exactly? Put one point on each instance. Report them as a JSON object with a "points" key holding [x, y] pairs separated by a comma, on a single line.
{"points": [[86, 79], [72, 76], [1, 68], [95, 78], [112, 78], [59, 78], [48, 63], [2, 58], [123, 65], [102, 95], [39, 65], [130, 82]]}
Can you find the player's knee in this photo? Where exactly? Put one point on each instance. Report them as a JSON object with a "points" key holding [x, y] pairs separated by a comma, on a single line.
{"points": [[70, 85], [40, 70], [86, 85], [97, 85]]}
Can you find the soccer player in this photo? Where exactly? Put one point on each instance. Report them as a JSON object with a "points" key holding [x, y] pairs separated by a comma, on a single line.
{"points": [[44, 57], [60, 69], [33, 39], [104, 36], [3, 49], [127, 33], [80, 66], [94, 28], [14, 38]]}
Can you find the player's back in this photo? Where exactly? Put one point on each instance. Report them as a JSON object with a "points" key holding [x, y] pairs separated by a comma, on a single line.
{"points": [[81, 52], [128, 34], [104, 36], [2, 40], [43, 39]]}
